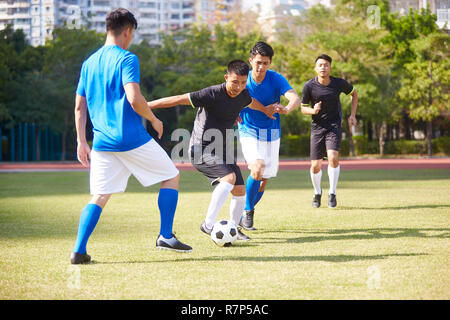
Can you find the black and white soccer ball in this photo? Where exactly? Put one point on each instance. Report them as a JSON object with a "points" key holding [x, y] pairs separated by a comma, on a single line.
{"points": [[224, 233]]}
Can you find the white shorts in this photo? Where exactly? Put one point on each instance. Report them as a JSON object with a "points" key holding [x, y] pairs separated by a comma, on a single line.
{"points": [[110, 171], [254, 149]]}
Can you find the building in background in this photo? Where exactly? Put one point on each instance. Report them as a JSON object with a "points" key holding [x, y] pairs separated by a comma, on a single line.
{"points": [[212, 12], [38, 18]]}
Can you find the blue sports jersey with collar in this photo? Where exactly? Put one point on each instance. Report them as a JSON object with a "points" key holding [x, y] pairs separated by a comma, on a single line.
{"points": [[255, 123], [116, 126]]}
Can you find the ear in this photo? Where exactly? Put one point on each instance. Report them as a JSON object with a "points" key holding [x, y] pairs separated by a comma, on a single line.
{"points": [[226, 77]]}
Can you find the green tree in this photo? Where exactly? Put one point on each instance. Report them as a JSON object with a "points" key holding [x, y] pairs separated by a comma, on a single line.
{"points": [[427, 84], [63, 58]]}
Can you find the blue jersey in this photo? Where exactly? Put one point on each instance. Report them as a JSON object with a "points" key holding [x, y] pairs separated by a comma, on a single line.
{"points": [[255, 123], [116, 126]]}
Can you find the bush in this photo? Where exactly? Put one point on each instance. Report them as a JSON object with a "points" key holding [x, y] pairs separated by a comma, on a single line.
{"points": [[295, 145], [364, 146], [405, 147], [442, 144]]}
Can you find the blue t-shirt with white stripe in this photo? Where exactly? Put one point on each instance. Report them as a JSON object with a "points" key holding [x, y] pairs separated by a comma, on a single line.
{"points": [[255, 123], [116, 126]]}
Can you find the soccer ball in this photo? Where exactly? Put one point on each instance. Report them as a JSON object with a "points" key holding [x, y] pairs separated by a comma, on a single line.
{"points": [[224, 233]]}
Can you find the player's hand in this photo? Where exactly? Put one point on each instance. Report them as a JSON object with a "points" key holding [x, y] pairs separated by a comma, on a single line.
{"points": [[281, 109], [238, 120], [270, 110], [317, 107], [83, 153], [352, 121], [158, 126]]}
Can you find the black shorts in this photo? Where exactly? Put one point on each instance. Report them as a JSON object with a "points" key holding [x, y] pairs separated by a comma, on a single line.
{"points": [[323, 139], [214, 168]]}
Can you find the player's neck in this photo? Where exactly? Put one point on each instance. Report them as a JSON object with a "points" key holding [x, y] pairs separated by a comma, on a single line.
{"points": [[324, 80], [118, 41], [258, 78]]}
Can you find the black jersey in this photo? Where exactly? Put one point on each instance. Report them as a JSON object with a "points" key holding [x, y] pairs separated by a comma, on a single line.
{"points": [[217, 110], [331, 110]]}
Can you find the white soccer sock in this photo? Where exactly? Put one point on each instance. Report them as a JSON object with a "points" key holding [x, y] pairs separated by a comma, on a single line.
{"points": [[333, 176], [237, 206], [315, 178], [218, 198]]}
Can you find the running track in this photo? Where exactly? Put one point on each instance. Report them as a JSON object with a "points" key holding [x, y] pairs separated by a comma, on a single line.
{"points": [[346, 164]]}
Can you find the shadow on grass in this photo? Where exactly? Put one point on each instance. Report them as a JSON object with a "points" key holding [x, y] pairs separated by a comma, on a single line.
{"points": [[330, 258], [420, 206], [356, 234]]}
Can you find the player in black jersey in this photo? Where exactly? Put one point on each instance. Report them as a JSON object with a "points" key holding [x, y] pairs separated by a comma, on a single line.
{"points": [[320, 99], [218, 107]]}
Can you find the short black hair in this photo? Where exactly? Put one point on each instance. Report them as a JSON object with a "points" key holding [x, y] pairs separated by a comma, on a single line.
{"points": [[263, 49], [120, 19], [325, 57], [238, 67]]}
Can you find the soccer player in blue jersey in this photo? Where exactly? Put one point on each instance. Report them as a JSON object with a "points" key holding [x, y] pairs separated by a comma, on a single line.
{"points": [[320, 99], [259, 130], [108, 89]]}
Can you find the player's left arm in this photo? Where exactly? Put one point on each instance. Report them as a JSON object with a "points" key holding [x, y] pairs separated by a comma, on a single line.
{"points": [[83, 149], [352, 119], [294, 102]]}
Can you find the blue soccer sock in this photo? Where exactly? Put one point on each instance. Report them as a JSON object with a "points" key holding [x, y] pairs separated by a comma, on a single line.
{"points": [[252, 189], [167, 203], [258, 197], [88, 221]]}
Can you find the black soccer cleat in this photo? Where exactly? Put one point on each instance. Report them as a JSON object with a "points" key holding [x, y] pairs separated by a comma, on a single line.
{"points": [[316, 200], [241, 236], [79, 258], [205, 229], [247, 220], [172, 244], [332, 203]]}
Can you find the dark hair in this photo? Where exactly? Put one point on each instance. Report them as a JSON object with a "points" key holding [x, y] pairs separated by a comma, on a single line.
{"points": [[120, 19], [325, 57], [263, 49], [238, 67]]}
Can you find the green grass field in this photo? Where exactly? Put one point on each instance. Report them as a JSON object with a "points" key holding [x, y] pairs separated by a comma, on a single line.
{"points": [[388, 239]]}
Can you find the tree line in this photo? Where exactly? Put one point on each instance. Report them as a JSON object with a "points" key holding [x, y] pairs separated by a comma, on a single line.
{"points": [[399, 65]]}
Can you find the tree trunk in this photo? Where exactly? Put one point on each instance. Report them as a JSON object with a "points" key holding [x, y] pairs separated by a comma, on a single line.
{"points": [[380, 129], [429, 137], [348, 132]]}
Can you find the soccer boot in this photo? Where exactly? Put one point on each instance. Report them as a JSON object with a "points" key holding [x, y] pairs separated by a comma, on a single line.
{"points": [[241, 236], [205, 229], [247, 220], [332, 203], [316, 200], [79, 258], [172, 244]]}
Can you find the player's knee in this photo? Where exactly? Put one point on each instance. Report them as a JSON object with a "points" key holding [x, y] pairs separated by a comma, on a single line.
{"points": [[100, 199], [315, 167], [238, 191], [171, 183], [230, 178]]}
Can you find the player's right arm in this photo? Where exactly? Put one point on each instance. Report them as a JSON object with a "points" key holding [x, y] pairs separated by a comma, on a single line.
{"points": [[83, 149], [139, 105], [168, 102]]}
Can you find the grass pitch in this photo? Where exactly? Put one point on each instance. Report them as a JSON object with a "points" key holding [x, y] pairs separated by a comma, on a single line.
{"points": [[387, 239]]}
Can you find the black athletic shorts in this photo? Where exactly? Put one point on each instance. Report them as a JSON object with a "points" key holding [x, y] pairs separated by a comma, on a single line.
{"points": [[323, 139], [214, 168]]}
